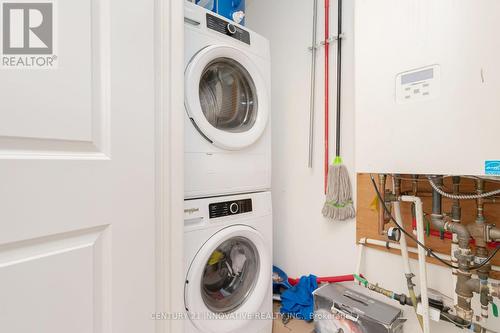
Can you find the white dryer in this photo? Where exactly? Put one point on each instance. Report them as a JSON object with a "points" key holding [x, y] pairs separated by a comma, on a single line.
{"points": [[227, 102], [228, 265]]}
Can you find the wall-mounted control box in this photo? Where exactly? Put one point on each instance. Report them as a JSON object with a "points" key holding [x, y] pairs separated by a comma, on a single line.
{"points": [[426, 86], [418, 85]]}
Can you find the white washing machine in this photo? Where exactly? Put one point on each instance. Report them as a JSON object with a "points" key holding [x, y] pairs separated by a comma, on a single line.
{"points": [[227, 102], [228, 264]]}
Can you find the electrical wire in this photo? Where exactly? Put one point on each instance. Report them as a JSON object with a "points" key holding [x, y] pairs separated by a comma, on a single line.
{"points": [[455, 322], [429, 250]]}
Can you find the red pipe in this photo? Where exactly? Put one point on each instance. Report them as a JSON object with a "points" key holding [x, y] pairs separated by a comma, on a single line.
{"points": [[326, 279], [327, 86]]}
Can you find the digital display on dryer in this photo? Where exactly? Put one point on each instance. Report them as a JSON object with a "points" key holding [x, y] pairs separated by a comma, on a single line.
{"points": [[228, 208]]}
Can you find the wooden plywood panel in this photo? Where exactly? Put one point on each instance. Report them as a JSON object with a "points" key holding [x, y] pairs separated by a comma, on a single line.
{"points": [[367, 213]]}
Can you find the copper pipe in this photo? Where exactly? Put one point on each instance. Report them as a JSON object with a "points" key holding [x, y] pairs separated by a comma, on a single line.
{"points": [[480, 202], [414, 185], [381, 211], [456, 210]]}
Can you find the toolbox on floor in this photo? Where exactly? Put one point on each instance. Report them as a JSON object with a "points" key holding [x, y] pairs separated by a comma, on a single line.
{"points": [[339, 308]]}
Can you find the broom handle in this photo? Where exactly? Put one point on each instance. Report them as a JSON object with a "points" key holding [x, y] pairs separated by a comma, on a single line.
{"points": [[339, 75]]}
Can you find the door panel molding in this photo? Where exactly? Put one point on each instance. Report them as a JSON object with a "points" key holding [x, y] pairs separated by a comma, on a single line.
{"points": [[30, 130], [169, 36], [76, 262]]}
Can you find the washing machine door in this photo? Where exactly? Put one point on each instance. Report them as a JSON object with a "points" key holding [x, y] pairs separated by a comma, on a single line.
{"points": [[226, 97], [228, 280]]}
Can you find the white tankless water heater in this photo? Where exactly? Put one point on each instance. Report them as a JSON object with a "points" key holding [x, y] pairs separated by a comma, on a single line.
{"points": [[427, 86]]}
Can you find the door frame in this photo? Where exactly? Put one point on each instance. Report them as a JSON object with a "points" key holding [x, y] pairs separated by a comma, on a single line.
{"points": [[169, 173]]}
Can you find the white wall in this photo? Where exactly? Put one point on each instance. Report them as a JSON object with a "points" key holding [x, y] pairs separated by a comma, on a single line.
{"points": [[304, 242]]}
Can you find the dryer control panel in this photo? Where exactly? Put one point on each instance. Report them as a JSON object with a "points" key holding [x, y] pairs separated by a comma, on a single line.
{"points": [[228, 28], [228, 208]]}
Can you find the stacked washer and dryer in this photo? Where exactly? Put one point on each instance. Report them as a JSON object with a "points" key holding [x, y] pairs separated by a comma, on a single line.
{"points": [[228, 213]]}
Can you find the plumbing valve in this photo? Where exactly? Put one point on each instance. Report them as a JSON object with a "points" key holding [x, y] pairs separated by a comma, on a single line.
{"points": [[394, 234]]}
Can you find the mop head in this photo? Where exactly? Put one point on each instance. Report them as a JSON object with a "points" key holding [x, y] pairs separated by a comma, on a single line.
{"points": [[338, 205]]}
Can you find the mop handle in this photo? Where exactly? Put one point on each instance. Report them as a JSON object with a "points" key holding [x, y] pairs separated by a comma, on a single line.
{"points": [[327, 88], [339, 76]]}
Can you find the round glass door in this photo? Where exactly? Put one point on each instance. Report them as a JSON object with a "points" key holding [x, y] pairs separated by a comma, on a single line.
{"points": [[229, 275], [227, 96]]}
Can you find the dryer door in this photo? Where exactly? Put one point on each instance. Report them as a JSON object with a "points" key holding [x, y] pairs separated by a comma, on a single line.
{"points": [[228, 280], [226, 97]]}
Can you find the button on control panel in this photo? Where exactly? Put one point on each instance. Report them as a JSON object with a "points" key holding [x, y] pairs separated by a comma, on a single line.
{"points": [[228, 208]]}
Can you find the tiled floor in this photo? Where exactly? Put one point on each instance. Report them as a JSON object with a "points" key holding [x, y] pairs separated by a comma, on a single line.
{"points": [[293, 326]]}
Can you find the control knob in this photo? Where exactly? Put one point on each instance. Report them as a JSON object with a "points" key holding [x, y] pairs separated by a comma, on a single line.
{"points": [[234, 208]]}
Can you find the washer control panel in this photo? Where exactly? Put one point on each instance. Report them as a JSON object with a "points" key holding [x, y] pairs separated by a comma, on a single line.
{"points": [[227, 208]]}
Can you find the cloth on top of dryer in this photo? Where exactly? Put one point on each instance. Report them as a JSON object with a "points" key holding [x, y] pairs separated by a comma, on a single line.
{"points": [[298, 300]]}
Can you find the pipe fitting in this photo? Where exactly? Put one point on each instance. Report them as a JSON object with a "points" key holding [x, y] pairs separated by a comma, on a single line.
{"points": [[461, 231], [494, 289], [439, 223], [478, 231], [473, 286], [465, 285], [463, 309], [493, 233]]}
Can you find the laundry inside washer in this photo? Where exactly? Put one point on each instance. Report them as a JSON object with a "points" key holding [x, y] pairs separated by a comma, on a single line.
{"points": [[230, 275]]}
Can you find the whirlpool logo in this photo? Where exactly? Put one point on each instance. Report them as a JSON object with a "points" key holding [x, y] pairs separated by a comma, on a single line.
{"points": [[492, 167], [28, 34]]}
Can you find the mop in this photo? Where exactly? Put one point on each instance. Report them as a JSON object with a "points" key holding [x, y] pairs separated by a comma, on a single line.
{"points": [[338, 205]]}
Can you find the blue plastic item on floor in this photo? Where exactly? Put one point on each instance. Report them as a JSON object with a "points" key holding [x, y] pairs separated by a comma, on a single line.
{"points": [[283, 280], [298, 300]]}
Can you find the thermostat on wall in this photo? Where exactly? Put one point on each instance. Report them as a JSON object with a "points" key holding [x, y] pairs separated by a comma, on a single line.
{"points": [[418, 85]]}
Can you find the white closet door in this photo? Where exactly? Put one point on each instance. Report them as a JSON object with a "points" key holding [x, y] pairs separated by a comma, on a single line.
{"points": [[77, 170]]}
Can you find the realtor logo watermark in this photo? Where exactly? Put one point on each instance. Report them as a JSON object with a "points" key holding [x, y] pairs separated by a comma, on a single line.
{"points": [[28, 34]]}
